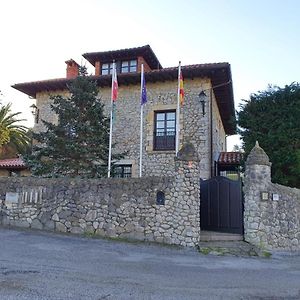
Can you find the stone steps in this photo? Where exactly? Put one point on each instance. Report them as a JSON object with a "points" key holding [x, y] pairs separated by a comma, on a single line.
{"points": [[232, 248], [222, 243], [207, 236]]}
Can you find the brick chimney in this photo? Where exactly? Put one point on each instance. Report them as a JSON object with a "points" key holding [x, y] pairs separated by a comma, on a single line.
{"points": [[72, 68]]}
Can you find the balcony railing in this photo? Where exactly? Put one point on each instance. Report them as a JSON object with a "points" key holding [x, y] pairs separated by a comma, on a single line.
{"points": [[164, 140]]}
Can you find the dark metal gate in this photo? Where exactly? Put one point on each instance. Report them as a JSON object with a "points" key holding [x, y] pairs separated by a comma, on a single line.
{"points": [[221, 207]]}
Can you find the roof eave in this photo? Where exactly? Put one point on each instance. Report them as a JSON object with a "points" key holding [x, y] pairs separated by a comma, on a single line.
{"points": [[92, 57], [220, 73]]}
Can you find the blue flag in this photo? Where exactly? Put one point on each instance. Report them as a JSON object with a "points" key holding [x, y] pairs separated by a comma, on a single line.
{"points": [[144, 91]]}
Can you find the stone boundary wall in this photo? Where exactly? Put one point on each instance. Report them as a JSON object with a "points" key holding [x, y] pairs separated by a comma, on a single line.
{"points": [[271, 211], [124, 208]]}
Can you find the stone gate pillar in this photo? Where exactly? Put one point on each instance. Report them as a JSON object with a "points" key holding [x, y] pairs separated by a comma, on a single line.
{"points": [[256, 185], [187, 187]]}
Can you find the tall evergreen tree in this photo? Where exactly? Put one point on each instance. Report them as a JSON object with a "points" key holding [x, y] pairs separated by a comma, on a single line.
{"points": [[78, 144], [273, 118]]}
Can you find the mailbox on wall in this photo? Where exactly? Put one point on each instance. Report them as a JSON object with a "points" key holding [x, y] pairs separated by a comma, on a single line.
{"points": [[160, 198]]}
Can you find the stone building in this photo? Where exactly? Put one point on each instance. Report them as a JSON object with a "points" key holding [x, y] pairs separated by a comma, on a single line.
{"points": [[206, 118], [204, 123], [164, 205]]}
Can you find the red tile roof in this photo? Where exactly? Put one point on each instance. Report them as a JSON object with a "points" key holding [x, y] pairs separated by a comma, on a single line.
{"points": [[106, 56], [230, 158], [12, 163], [189, 71], [220, 74]]}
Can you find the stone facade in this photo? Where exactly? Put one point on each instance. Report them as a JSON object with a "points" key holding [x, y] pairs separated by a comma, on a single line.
{"points": [[195, 127], [271, 211], [219, 135], [123, 208], [7, 173]]}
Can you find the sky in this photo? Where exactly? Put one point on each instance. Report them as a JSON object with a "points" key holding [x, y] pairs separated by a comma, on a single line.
{"points": [[259, 38]]}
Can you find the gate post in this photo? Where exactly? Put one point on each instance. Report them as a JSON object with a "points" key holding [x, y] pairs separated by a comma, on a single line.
{"points": [[187, 187], [257, 180]]}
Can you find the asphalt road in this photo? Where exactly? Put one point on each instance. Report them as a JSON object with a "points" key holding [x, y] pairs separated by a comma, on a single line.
{"points": [[36, 265]]}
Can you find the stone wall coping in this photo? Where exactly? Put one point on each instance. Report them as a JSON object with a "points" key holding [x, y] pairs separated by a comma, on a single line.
{"points": [[92, 180], [287, 189], [258, 156], [187, 153]]}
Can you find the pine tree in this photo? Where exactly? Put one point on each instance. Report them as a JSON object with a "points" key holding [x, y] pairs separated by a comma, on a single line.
{"points": [[78, 144]]}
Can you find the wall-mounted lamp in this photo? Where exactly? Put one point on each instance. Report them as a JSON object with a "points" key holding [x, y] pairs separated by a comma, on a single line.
{"points": [[33, 109], [202, 97], [35, 112]]}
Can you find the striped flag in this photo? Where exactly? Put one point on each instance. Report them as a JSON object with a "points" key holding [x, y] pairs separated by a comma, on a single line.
{"points": [[143, 89], [114, 85], [181, 90], [114, 92]]}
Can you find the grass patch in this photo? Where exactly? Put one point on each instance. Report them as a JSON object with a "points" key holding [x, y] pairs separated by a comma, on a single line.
{"points": [[212, 250], [204, 251], [266, 254]]}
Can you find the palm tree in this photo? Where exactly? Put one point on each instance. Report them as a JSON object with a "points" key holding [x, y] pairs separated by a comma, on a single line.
{"points": [[12, 134]]}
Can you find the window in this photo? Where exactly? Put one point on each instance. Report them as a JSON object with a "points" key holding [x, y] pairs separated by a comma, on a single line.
{"points": [[122, 171], [106, 68], [129, 66], [231, 174], [165, 130]]}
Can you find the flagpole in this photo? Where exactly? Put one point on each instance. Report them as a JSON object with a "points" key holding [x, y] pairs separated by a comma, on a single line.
{"points": [[141, 129], [178, 111], [111, 121]]}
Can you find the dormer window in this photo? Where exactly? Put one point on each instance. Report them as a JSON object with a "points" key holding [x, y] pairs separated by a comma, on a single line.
{"points": [[129, 66], [125, 66], [106, 68]]}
